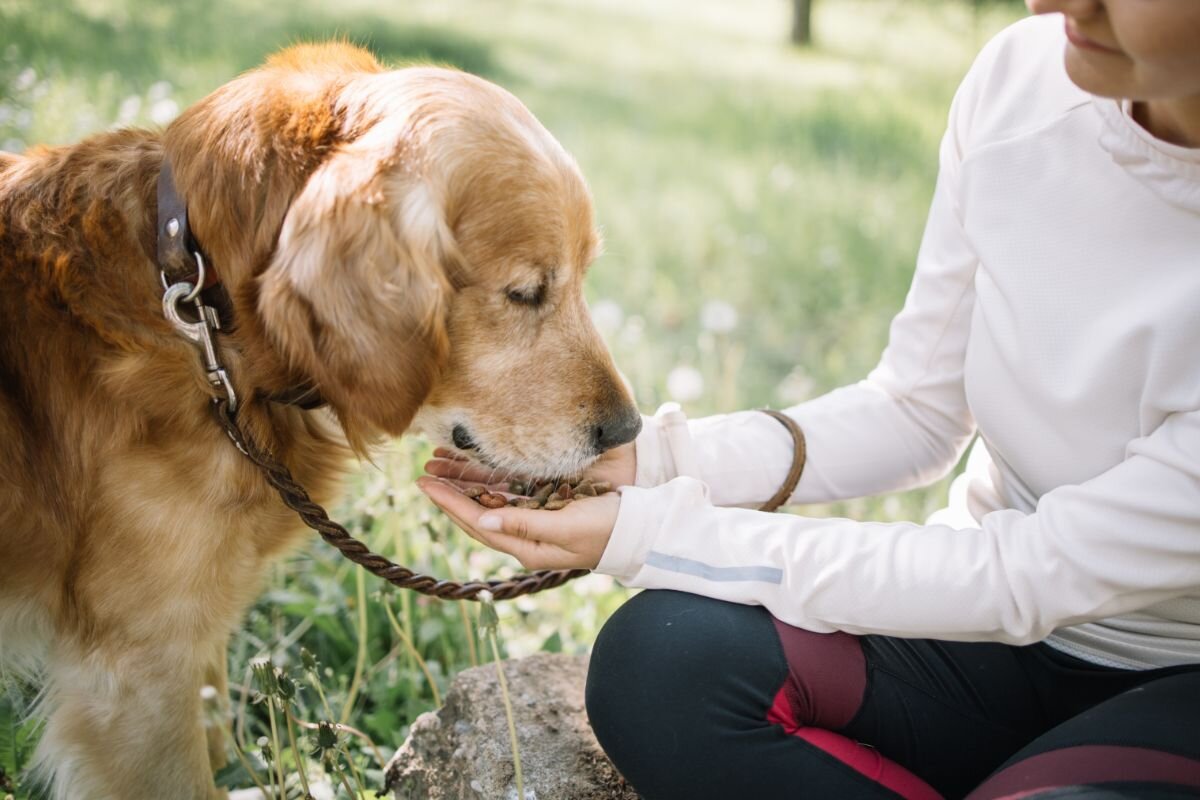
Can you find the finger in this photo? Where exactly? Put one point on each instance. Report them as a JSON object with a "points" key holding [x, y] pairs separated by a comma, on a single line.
{"points": [[581, 520], [465, 513], [493, 488], [446, 452], [450, 499]]}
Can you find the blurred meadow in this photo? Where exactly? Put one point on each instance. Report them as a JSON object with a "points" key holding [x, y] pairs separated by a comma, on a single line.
{"points": [[761, 204]]}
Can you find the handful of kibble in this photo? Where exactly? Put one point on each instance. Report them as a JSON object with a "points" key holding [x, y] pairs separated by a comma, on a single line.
{"points": [[547, 495]]}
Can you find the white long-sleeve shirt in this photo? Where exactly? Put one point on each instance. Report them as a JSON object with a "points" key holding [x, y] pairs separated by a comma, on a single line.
{"points": [[1055, 310]]}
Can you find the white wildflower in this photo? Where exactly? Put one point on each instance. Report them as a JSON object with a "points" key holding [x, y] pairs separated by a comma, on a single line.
{"points": [[795, 387], [782, 177], [158, 90], [608, 316], [685, 383], [718, 316], [25, 80], [632, 333], [128, 110], [163, 111]]}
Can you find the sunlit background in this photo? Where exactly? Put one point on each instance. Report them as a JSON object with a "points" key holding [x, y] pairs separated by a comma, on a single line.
{"points": [[761, 204]]}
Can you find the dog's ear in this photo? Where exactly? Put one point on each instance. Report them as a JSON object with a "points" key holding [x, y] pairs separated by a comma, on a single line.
{"points": [[356, 293]]}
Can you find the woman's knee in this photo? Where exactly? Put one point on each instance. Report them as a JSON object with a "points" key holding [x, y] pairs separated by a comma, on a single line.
{"points": [[665, 659]]}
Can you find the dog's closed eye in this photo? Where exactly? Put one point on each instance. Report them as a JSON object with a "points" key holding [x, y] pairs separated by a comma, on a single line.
{"points": [[532, 296]]}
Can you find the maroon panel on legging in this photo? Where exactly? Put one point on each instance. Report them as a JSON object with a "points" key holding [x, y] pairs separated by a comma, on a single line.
{"points": [[1086, 765], [823, 690], [863, 759], [827, 675]]}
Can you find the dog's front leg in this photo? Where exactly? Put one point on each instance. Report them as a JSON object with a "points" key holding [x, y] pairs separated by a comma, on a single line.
{"points": [[126, 723]]}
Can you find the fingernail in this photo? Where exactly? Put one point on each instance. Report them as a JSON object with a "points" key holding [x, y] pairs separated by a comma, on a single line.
{"points": [[490, 522]]}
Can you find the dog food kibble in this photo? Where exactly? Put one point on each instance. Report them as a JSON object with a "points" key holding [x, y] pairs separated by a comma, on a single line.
{"points": [[489, 500], [547, 495]]}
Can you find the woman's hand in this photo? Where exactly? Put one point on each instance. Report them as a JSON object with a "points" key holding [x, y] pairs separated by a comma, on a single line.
{"points": [[570, 538], [617, 466]]}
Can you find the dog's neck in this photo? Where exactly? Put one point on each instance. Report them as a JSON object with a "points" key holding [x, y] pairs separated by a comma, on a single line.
{"points": [[81, 321], [72, 220], [73, 223]]}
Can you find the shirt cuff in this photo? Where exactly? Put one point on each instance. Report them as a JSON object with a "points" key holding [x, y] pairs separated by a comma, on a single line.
{"points": [[637, 525], [663, 449]]}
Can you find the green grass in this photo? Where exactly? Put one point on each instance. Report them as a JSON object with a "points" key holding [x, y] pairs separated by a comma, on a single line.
{"points": [[790, 185]]}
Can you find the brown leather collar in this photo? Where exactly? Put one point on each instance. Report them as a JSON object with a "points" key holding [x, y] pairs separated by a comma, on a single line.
{"points": [[179, 258], [179, 254]]}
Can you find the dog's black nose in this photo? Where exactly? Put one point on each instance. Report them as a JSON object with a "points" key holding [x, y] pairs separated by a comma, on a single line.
{"points": [[617, 430], [462, 439]]}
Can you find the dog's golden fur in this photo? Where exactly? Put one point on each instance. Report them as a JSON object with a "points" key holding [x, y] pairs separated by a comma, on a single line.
{"points": [[386, 234]]}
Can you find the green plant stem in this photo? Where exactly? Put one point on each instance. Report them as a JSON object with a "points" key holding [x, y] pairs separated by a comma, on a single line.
{"points": [[246, 764], [316, 682], [406, 608], [341, 776], [276, 749], [508, 712], [287, 715], [360, 663], [404, 637], [472, 652], [354, 773]]}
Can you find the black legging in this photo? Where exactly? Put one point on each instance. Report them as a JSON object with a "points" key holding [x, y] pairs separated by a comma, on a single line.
{"points": [[697, 698]]}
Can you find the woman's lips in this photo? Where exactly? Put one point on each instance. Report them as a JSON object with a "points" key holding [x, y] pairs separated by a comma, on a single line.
{"points": [[1084, 43]]}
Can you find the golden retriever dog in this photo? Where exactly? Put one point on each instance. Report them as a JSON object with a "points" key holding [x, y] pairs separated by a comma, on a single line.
{"points": [[404, 241]]}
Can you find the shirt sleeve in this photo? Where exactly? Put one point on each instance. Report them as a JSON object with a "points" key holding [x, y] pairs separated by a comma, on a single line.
{"points": [[906, 425], [1121, 541]]}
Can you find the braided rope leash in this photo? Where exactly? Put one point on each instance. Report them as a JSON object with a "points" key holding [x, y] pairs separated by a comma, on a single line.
{"points": [[314, 516]]}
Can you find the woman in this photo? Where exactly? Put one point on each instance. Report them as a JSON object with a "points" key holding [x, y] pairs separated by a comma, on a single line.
{"points": [[1040, 637]]}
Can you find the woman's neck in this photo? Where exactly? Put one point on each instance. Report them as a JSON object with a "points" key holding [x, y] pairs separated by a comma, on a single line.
{"points": [[1176, 121]]}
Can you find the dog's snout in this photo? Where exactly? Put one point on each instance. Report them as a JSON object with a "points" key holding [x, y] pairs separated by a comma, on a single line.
{"points": [[617, 429]]}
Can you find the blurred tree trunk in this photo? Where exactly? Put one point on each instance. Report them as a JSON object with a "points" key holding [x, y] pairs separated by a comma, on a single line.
{"points": [[802, 22]]}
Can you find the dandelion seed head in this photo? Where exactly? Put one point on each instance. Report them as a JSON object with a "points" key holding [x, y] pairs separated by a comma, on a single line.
{"points": [[685, 384], [163, 111], [607, 316], [718, 316]]}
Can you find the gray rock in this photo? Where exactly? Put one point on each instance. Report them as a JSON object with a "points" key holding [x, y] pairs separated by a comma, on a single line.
{"points": [[462, 751]]}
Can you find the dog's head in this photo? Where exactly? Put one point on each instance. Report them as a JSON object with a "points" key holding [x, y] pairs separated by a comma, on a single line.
{"points": [[408, 240]]}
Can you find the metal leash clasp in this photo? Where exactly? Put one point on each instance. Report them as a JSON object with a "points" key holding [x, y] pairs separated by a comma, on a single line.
{"points": [[201, 332]]}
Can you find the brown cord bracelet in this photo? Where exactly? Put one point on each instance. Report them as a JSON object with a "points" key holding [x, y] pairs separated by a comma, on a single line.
{"points": [[799, 455]]}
